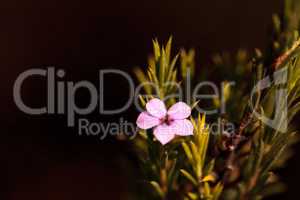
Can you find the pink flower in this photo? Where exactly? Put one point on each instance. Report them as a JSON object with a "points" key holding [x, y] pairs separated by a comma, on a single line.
{"points": [[166, 124]]}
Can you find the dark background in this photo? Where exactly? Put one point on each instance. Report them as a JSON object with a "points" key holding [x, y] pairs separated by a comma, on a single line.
{"points": [[43, 159]]}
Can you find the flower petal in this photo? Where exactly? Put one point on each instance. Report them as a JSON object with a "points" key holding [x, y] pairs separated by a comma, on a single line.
{"points": [[156, 108], [179, 110], [146, 121], [164, 133], [183, 127]]}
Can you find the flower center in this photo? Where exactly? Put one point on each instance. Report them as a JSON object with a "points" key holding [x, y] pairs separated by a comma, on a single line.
{"points": [[167, 120]]}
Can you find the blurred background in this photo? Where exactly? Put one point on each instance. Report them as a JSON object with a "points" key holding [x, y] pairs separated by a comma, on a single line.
{"points": [[41, 158]]}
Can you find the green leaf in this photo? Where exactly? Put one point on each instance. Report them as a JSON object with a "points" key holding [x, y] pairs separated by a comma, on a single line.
{"points": [[189, 177], [188, 153], [217, 190], [277, 147], [156, 49], [157, 188], [209, 167], [208, 178], [192, 196], [168, 49]]}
